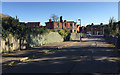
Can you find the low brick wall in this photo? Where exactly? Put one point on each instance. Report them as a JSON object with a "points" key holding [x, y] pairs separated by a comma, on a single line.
{"points": [[113, 40]]}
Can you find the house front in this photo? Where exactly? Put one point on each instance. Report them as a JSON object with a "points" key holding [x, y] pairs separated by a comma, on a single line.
{"points": [[70, 25]]}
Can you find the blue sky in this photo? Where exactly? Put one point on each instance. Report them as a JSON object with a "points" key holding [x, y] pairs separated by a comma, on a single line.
{"points": [[88, 12]]}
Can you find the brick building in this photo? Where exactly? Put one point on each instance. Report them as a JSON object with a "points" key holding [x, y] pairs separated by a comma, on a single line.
{"points": [[32, 24], [78, 27], [95, 29], [70, 25]]}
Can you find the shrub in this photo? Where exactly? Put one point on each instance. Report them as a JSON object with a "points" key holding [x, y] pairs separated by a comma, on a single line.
{"points": [[42, 39], [41, 30], [65, 33]]}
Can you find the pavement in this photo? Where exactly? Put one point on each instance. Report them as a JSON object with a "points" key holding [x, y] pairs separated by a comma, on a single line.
{"points": [[92, 55], [13, 58]]}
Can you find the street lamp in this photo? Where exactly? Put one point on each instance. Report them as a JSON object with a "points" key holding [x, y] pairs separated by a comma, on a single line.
{"points": [[80, 29], [80, 21]]}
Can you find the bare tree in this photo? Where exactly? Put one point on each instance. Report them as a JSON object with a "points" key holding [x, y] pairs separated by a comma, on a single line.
{"points": [[111, 21], [54, 17]]}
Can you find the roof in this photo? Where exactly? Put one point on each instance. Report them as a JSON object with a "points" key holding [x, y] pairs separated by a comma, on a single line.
{"points": [[2, 15], [96, 25], [70, 21], [33, 22]]}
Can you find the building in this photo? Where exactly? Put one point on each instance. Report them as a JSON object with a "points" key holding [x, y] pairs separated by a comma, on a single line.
{"points": [[70, 25], [78, 27], [32, 25], [95, 29], [83, 29]]}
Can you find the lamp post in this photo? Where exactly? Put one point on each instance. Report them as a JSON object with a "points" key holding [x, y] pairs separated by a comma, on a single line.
{"points": [[80, 29]]}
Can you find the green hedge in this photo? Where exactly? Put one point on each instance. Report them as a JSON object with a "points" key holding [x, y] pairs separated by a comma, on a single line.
{"points": [[65, 33], [35, 40]]}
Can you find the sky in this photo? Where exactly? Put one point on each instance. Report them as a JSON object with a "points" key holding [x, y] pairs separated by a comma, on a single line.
{"points": [[88, 12], [60, 0], [119, 11]]}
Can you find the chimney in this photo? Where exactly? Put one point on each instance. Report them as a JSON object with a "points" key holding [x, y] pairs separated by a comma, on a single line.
{"points": [[50, 20], [101, 23], [65, 20], [61, 19]]}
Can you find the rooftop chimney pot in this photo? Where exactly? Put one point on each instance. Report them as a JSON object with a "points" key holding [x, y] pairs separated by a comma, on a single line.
{"points": [[50, 20], [61, 19]]}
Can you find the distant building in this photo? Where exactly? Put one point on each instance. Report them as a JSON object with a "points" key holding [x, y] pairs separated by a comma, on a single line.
{"points": [[70, 25], [32, 25], [83, 29], [95, 29], [78, 27]]}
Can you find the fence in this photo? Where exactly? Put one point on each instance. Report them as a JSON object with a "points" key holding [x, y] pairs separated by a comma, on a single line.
{"points": [[11, 44]]}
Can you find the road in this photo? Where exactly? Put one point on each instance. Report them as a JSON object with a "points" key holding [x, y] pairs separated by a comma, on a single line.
{"points": [[93, 55]]}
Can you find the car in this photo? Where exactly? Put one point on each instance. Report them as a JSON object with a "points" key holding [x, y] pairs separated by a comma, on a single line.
{"points": [[88, 34]]}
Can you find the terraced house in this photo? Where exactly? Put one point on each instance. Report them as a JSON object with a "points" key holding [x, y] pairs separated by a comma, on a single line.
{"points": [[70, 25], [96, 29]]}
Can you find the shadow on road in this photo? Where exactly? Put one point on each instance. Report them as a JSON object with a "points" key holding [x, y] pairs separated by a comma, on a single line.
{"points": [[73, 59]]}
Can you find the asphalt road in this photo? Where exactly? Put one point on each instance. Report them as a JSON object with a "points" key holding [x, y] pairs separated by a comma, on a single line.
{"points": [[93, 55]]}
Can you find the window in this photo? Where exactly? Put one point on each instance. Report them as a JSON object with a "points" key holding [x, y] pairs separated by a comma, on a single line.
{"points": [[71, 24], [33, 25], [57, 24], [65, 25], [91, 29]]}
